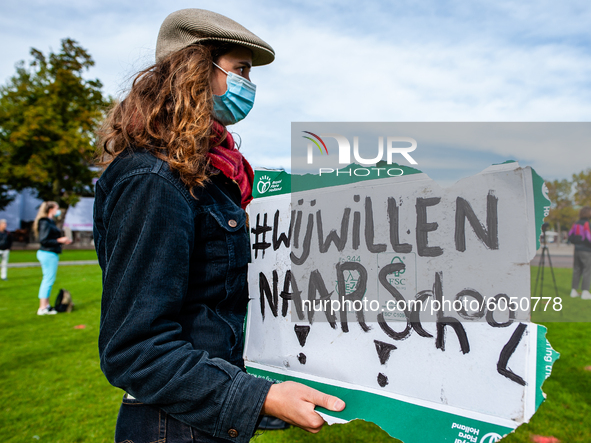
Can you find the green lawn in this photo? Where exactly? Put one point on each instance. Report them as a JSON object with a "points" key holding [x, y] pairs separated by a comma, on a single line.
{"points": [[51, 385], [28, 256], [52, 389]]}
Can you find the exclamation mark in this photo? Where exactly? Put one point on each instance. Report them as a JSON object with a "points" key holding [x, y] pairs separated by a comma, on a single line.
{"points": [[302, 334], [383, 350]]}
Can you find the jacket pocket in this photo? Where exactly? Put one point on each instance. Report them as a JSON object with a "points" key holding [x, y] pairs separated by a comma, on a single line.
{"points": [[232, 222], [232, 219]]}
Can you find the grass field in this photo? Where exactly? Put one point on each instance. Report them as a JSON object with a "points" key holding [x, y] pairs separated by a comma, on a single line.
{"points": [[51, 384], [30, 256], [52, 389]]}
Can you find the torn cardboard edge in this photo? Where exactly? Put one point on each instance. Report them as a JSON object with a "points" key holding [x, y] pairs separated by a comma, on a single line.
{"points": [[401, 416]]}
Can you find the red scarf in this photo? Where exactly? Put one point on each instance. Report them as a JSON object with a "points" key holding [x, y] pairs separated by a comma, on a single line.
{"points": [[231, 162]]}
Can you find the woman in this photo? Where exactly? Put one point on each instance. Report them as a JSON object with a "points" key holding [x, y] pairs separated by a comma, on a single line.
{"points": [[582, 257], [51, 241], [172, 240]]}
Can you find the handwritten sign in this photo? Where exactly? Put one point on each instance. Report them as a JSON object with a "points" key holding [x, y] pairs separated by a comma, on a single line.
{"points": [[408, 301]]}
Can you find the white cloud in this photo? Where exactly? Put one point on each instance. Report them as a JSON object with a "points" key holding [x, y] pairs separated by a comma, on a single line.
{"points": [[338, 61]]}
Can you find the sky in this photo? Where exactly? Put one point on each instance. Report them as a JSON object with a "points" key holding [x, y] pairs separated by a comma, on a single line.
{"points": [[371, 61]]}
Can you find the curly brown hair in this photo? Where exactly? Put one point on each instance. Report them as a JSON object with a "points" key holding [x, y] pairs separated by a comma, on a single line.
{"points": [[168, 113]]}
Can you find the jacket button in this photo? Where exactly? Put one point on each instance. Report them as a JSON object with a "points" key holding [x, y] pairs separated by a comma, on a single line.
{"points": [[233, 223], [233, 432]]}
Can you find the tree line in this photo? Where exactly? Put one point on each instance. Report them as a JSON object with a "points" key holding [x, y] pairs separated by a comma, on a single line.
{"points": [[568, 197]]}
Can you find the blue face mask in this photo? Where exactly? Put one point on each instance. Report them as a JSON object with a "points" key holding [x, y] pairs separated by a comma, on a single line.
{"points": [[236, 102], [58, 213]]}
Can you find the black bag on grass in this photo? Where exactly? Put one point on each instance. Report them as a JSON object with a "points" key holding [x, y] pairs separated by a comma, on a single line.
{"points": [[63, 301]]}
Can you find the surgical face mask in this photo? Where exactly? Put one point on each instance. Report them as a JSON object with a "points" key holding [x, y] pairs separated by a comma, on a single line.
{"points": [[236, 102], [58, 213]]}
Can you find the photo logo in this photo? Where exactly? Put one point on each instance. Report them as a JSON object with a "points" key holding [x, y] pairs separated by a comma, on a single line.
{"points": [[314, 141], [264, 184], [345, 149], [491, 437]]}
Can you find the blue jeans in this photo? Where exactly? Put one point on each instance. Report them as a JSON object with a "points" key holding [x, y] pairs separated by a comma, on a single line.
{"points": [[49, 261], [141, 423]]}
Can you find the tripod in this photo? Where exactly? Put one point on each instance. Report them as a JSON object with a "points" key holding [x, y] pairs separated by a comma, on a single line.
{"points": [[541, 265]]}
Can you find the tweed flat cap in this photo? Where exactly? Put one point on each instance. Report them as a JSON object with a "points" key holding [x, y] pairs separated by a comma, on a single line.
{"points": [[188, 26]]}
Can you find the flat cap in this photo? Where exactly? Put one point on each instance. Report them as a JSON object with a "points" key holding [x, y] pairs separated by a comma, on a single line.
{"points": [[188, 26]]}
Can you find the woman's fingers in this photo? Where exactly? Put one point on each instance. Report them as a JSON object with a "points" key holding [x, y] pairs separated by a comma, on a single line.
{"points": [[326, 401], [295, 403]]}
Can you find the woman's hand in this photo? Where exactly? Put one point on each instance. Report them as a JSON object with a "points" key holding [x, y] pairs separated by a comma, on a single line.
{"points": [[64, 240], [294, 403]]}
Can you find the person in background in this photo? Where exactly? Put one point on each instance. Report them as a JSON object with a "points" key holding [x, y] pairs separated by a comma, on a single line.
{"points": [[172, 240], [5, 245], [582, 257], [51, 241]]}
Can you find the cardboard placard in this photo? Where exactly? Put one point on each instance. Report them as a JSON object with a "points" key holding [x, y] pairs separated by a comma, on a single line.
{"points": [[402, 250]]}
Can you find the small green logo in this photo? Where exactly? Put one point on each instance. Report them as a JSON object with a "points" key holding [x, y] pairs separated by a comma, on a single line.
{"points": [[398, 260], [264, 184]]}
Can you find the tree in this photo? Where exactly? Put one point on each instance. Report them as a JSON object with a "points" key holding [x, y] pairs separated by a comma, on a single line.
{"points": [[48, 115], [6, 196], [582, 182], [562, 213]]}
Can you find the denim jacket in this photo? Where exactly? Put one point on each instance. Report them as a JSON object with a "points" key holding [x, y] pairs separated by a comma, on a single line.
{"points": [[175, 295]]}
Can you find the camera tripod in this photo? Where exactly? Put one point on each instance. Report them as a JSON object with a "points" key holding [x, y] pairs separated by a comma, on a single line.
{"points": [[542, 264]]}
